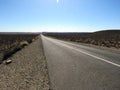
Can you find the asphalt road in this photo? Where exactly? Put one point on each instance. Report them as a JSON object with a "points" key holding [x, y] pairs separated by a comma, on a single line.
{"points": [[76, 67]]}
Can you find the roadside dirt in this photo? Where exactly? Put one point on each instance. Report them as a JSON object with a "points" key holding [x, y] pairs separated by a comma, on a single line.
{"points": [[28, 70]]}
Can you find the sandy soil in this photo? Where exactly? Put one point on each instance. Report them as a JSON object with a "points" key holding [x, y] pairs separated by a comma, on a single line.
{"points": [[28, 71]]}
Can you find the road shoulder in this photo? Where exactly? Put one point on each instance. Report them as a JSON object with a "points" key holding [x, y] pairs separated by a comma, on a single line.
{"points": [[28, 71]]}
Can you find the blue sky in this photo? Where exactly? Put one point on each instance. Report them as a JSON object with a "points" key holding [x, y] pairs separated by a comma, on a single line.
{"points": [[66, 15]]}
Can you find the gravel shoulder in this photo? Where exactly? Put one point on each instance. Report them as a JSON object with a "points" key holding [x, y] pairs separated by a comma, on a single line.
{"points": [[28, 71]]}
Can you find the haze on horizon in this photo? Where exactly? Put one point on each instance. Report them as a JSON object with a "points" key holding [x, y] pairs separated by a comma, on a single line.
{"points": [[59, 15]]}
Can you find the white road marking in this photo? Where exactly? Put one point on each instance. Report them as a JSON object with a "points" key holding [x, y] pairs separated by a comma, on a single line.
{"points": [[102, 59]]}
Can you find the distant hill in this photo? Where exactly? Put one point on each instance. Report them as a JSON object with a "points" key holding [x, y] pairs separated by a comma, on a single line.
{"points": [[109, 31], [106, 34]]}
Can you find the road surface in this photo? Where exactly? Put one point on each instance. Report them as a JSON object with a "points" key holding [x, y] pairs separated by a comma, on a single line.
{"points": [[76, 67]]}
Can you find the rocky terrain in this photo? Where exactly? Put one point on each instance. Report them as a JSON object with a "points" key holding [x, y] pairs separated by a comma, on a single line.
{"points": [[13, 42], [28, 70]]}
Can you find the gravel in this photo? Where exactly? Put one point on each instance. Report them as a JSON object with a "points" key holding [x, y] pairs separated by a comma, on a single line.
{"points": [[28, 70]]}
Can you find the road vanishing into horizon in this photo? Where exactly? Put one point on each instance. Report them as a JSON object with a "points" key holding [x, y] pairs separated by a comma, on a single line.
{"points": [[75, 66]]}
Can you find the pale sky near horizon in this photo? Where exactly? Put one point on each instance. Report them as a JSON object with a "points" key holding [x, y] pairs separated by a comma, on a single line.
{"points": [[59, 15]]}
